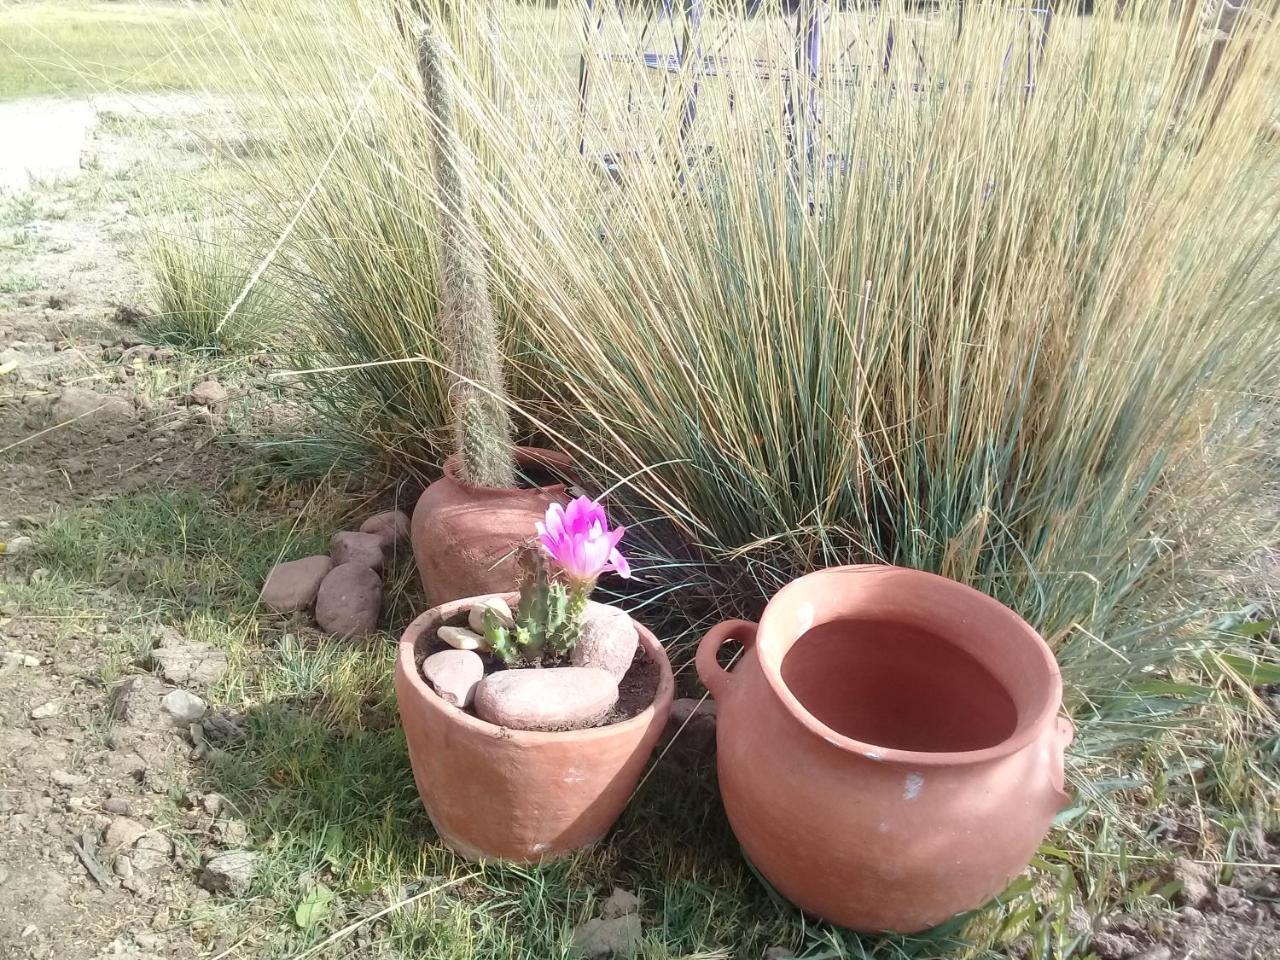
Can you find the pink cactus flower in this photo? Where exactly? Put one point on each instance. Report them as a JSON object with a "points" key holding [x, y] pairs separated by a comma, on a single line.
{"points": [[578, 538]]}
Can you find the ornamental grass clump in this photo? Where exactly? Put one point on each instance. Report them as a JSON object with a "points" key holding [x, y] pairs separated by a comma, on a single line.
{"points": [[943, 318], [574, 547], [338, 187]]}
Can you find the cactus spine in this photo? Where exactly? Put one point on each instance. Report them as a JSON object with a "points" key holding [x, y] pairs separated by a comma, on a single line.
{"points": [[481, 422]]}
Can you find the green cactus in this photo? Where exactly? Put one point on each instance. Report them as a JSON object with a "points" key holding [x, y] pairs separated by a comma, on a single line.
{"points": [[548, 617], [482, 424]]}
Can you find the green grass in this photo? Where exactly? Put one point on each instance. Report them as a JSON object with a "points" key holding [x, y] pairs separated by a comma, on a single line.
{"points": [[17, 210], [18, 282], [76, 47], [204, 287], [323, 783], [656, 322]]}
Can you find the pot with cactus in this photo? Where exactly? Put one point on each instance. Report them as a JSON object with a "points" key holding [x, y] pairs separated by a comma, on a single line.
{"points": [[530, 715], [466, 524]]}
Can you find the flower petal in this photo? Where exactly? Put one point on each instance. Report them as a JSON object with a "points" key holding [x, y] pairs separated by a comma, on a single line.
{"points": [[619, 563]]}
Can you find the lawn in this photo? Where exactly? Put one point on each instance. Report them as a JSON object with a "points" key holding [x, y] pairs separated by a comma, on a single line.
{"points": [[74, 47]]}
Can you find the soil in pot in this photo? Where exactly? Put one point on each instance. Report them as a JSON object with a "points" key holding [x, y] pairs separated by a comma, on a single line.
{"points": [[636, 690], [898, 687]]}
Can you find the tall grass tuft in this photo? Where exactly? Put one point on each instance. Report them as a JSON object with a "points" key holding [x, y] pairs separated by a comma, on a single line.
{"points": [[202, 290], [927, 313], [346, 209]]}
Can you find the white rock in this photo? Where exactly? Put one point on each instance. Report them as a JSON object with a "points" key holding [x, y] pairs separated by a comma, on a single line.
{"points": [[608, 641], [230, 872], [615, 937], [12, 661], [15, 546], [620, 903], [122, 833], [460, 638], [183, 706], [188, 664], [46, 710], [500, 608], [454, 674], [548, 698]]}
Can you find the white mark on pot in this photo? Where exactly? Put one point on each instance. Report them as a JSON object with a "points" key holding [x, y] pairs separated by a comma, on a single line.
{"points": [[804, 617], [874, 756], [912, 786], [539, 847], [884, 826], [574, 776]]}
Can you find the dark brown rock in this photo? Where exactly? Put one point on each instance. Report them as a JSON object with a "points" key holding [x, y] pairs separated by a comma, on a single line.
{"points": [[690, 734], [1197, 879], [363, 548], [349, 600], [293, 585]]}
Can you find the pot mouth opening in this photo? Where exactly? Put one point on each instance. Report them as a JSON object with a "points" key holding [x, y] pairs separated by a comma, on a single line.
{"points": [[910, 688], [536, 470]]}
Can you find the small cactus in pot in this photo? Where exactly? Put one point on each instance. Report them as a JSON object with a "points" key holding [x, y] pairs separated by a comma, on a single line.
{"points": [[575, 546], [537, 724]]}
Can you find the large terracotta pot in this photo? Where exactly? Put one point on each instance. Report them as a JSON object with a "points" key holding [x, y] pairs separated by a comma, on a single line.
{"points": [[464, 535], [889, 747], [519, 795]]}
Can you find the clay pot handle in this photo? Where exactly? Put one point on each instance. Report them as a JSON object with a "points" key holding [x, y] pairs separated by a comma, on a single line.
{"points": [[710, 673], [1064, 733]]}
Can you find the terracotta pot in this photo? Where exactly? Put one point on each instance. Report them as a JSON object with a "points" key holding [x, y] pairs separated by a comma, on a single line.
{"points": [[463, 535], [519, 795], [889, 747]]}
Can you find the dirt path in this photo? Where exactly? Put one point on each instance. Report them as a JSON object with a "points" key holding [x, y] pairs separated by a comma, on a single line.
{"points": [[100, 843]]}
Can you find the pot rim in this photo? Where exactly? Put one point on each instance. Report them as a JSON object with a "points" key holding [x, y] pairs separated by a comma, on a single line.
{"points": [[1022, 736], [406, 655], [523, 456]]}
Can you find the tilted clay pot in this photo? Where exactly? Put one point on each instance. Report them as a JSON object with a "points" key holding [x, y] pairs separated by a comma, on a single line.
{"points": [[519, 795], [889, 747], [464, 536]]}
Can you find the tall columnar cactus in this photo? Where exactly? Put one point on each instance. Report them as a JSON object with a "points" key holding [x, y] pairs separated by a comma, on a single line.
{"points": [[481, 422]]}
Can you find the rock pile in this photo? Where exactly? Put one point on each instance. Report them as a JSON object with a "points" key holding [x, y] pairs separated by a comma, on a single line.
{"points": [[344, 587]]}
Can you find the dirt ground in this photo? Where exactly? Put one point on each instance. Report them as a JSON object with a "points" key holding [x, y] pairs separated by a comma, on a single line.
{"points": [[107, 849], [91, 861]]}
